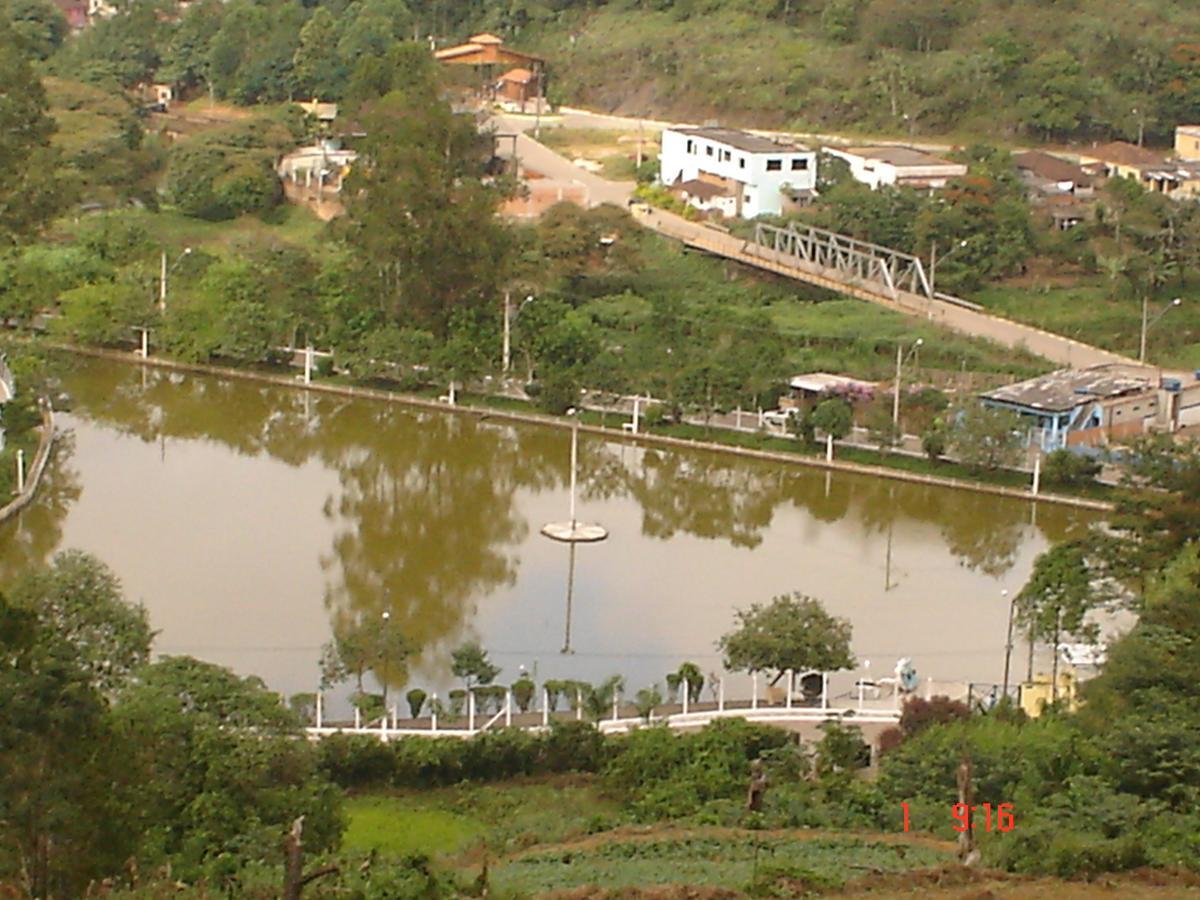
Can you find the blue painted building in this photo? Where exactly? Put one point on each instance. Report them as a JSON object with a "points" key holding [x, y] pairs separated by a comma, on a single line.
{"points": [[1077, 408]]}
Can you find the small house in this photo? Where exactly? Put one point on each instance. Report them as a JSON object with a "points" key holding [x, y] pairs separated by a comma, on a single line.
{"points": [[898, 166], [1098, 405], [1050, 176], [1121, 159], [1187, 142], [749, 175], [804, 390]]}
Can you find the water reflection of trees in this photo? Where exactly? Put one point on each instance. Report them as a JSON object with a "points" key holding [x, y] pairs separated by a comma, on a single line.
{"points": [[34, 535], [425, 520]]}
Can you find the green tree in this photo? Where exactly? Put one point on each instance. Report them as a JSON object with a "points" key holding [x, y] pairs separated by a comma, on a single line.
{"points": [[1059, 599], [793, 632], [31, 192], [470, 663], [986, 437], [833, 416], [39, 24], [79, 598], [318, 66], [419, 215]]}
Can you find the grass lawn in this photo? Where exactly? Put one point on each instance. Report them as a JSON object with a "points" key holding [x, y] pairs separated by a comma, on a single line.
{"points": [[396, 827], [287, 224], [1094, 312]]}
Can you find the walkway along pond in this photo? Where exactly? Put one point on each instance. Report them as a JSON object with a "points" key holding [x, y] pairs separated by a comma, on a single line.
{"points": [[252, 519]]}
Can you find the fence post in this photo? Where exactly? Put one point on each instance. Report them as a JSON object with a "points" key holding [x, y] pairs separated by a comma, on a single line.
{"points": [[578, 705], [791, 681], [754, 691], [433, 714], [20, 471], [320, 709], [357, 718], [616, 703], [383, 724], [508, 708], [721, 695], [471, 711], [545, 707], [824, 690], [686, 691]]}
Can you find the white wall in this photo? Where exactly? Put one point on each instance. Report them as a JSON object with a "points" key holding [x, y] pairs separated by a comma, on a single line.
{"points": [[875, 172], [685, 156]]}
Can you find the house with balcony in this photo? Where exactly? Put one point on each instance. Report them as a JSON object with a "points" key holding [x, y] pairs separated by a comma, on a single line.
{"points": [[736, 173]]}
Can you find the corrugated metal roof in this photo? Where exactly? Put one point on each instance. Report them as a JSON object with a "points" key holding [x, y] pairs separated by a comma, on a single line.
{"points": [[1066, 389]]}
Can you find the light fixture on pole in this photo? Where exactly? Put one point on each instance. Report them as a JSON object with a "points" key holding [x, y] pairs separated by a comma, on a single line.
{"points": [[574, 531], [1148, 323], [933, 261], [901, 357], [162, 281]]}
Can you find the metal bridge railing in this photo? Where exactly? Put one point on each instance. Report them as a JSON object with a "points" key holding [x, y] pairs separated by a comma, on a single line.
{"points": [[872, 264]]}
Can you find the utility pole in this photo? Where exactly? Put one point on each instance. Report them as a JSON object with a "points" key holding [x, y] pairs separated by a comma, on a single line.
{"points": [[506, 351]]}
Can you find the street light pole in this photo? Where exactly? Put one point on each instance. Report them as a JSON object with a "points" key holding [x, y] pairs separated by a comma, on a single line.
{"points": [[1148, 323], [1008, 646], [933, 261], [574, 413], [900, 357], [387, 615], [162, 281]]}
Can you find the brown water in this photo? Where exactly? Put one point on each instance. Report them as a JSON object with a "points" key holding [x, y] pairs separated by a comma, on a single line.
{"points": [[249, 518]]}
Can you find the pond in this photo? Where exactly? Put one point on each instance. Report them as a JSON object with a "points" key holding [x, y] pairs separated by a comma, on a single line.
{"points": [[252, 519]]}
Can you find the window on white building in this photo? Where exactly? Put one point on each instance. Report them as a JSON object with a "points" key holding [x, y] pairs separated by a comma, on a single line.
{"points": [[726, 156], [709, 150], [741, 162], [774, 165], [799, 165], [691, 146]]}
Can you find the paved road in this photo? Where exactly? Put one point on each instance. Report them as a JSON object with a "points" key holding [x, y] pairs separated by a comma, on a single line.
{"points": [[1061, 350], [546, 162], [1056, 348]]}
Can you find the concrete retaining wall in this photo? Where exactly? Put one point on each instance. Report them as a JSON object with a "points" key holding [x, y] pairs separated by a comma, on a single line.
{"points": [[40, 459]]}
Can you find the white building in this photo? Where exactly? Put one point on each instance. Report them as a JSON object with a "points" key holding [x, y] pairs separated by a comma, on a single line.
{"points": [[743, 174], [900, 166]]}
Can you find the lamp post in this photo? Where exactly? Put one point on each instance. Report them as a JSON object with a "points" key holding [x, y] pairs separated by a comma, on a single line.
{"points": [[1148, 323], [901, 356], [1008, 646], [162, 281], [933, 261], [387, 615]]}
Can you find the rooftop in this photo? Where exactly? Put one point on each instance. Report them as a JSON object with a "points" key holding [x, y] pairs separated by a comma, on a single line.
{"points": [[1066, 389], [1189, 129], [1052, 168], [820, 382], [742, 140], [900, 156], [702, 190], [518, 76], [1123, 153]]}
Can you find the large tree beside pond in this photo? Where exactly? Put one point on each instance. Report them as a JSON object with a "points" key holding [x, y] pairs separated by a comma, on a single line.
{"points": [[419, 214], [792, 632]]}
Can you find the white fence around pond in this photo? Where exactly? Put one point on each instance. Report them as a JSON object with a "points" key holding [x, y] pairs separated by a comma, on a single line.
{"points": [[868, 702]]}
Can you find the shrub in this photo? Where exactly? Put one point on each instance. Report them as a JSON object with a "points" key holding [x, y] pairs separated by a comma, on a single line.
{"points": [[523, 690], [572, 747], [416, 701], [356, 760], [918, 713], [1068, 468]]}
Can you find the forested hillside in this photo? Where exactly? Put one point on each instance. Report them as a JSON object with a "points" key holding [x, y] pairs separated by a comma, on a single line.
{"points": [[1016, 69]]}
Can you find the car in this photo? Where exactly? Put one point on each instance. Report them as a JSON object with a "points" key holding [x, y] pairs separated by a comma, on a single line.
{"points": [[779, 417]]}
